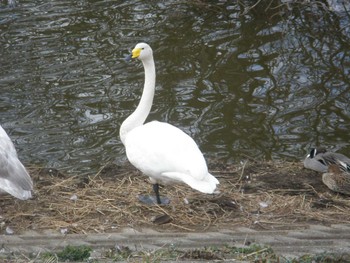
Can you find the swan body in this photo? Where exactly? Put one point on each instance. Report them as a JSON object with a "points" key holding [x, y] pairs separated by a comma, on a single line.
{"points": [[160, 150], [14, 178], [319, 160]]}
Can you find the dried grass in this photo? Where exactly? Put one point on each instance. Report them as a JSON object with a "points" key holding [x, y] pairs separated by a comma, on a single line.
{"points": [[256, 195]]}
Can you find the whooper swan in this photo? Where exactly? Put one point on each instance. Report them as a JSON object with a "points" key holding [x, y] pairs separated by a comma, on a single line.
{"points": [[160, 150]]}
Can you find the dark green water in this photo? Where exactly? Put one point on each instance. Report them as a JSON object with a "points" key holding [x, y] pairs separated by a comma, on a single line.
{"points": [[268, 83]]}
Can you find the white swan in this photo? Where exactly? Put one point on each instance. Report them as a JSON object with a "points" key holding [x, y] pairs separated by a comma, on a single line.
{"points": [[162, 151], [14, 178]]}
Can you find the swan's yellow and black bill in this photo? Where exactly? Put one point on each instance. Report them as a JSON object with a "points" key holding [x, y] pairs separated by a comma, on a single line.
{"points": [[136, 52]]}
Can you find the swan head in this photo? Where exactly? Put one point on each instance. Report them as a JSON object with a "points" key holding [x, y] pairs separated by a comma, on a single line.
{"points": [[142, 51]]}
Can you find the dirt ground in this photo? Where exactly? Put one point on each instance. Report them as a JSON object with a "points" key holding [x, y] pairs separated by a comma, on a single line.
{"points": [[258, 195]]}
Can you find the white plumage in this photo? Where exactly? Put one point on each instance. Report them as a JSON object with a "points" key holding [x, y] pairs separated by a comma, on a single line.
{"points": [[14, 178], [162, 151]]}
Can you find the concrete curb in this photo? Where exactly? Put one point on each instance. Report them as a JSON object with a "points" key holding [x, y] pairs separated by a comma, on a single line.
{"points": [[313, 239]]}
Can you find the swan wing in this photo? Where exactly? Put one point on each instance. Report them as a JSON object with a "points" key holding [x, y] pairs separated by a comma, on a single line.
{"points": [[13, 189], [159, 149], [14, 178], [207, 184], [6, 144]]}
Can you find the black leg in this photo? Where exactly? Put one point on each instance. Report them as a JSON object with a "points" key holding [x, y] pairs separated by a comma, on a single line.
{"points": [[156, 191]]}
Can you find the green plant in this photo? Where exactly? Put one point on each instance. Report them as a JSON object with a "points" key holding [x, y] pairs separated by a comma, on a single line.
{"points": [[74, 253]]}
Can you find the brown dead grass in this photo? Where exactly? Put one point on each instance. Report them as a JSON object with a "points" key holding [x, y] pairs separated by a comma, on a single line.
{"points": [[266, 195]]}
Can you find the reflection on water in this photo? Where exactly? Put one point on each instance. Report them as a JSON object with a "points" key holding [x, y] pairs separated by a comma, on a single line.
{"points": [[242, 82]]}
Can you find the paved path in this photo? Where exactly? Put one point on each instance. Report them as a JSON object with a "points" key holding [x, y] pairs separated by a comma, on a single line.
{"points": [[308, 240]]}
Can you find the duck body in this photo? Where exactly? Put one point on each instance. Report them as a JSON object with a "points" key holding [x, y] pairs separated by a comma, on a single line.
{"points": [[335, 169], [14, 178], [319, 159], [337, 178], [160, 150]]}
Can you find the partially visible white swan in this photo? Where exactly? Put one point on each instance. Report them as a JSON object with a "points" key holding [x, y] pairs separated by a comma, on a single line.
{"points": [[162, 151], [14, 178]]}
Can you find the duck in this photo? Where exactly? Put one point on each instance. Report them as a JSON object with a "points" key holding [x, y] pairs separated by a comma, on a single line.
{"points": [[161, 151], [337, 178], [319, 160], [14, 178]]}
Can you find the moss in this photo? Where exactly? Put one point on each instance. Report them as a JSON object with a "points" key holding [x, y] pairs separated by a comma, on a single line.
{"points": [[252, 253], [322, 258], [74, 253]]}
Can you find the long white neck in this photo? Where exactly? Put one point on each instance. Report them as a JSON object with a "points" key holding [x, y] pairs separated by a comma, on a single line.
{"points": [[138, 117]]}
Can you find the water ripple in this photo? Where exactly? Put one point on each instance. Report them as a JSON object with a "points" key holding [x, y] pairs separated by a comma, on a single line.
{"points": [[266, 87]]}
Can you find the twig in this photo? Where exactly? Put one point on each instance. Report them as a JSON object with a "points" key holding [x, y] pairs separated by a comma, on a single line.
{"points": [[256, 252]]}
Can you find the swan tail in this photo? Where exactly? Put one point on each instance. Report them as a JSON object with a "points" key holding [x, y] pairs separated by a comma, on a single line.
{"points": [[205, 185], [12, 189]]}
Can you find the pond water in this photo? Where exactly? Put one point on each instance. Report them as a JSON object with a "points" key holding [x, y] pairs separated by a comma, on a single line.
{"points": [[267, 82]]}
